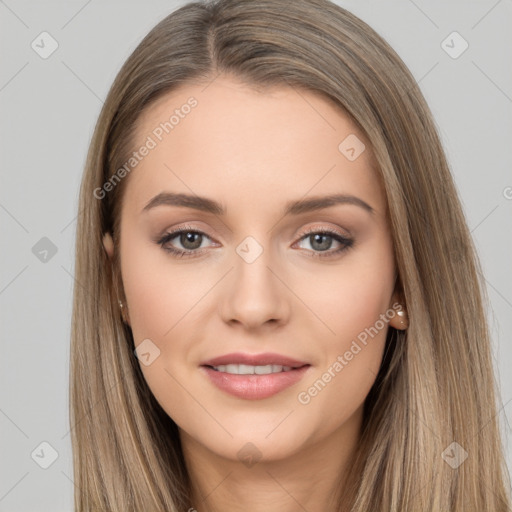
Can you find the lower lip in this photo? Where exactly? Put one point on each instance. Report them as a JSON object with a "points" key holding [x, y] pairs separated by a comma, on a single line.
{"points": [[255, 387]]}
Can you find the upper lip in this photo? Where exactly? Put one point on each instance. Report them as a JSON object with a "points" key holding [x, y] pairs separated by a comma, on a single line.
{"points": [[254, 360]]}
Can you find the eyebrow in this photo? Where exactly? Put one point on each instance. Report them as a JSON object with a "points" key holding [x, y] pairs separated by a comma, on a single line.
{"points": [[291, 207]]}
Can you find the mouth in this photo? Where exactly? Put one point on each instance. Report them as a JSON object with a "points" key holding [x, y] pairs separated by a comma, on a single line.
{"points": [[248, 361], [247, 369], [254, 377]]}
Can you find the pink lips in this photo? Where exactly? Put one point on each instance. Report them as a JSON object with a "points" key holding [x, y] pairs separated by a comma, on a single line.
{"points": [[254, 360], [254, 387]]}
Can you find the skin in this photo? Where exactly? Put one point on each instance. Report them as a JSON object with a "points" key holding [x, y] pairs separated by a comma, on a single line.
{"points": [[253, 152]]}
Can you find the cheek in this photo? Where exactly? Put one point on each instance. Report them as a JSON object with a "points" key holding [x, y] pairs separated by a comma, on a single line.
{"points": [[350, 361], [166, 300], [338, 391], [159, 293], [350, 296], [354, 303], [161, 297]]}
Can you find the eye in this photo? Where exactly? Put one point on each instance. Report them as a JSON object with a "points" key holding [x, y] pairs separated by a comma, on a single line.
{"points": [[189, 238], [191, 241], [321, 240]]}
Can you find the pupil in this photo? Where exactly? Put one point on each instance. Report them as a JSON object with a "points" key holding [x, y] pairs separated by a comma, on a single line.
{"points": [[322, 246], [187, 240]]}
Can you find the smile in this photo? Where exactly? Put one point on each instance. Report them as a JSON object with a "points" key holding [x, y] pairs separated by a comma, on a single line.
{"points": [[247, 369]]}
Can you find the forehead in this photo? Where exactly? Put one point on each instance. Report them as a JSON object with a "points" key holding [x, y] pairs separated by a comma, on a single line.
{"points": [[250, 147]]}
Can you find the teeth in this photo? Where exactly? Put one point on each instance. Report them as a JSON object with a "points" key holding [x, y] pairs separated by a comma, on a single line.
{"points": [[247, 369]]}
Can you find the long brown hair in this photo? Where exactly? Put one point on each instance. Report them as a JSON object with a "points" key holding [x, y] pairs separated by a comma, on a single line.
{"points": [[435, 386]]}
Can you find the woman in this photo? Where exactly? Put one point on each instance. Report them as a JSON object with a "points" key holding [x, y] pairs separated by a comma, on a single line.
{"points": [[280, 304]]}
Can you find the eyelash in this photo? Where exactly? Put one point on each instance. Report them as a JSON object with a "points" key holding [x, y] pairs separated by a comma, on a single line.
{"points": [[347, 243]]}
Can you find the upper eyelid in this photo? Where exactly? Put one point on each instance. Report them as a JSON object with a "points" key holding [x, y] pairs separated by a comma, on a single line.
{"points": [[184, 229], [311, 230], [329, 230]]}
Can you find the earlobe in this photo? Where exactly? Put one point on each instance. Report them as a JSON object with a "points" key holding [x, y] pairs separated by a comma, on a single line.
{"points": [[400, 320], [108, 244]]}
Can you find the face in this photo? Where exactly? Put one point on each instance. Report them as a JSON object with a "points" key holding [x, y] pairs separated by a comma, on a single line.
{"points": [[261, 266]]}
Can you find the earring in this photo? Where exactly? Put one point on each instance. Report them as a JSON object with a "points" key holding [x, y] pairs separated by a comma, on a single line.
{"points": [[123, 312], [403, 318]]}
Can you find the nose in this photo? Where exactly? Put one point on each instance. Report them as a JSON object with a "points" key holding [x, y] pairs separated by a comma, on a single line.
{"points": [[255, 295]]}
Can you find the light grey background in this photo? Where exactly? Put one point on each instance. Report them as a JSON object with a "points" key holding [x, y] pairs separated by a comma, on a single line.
{"points": [[48, 111]]}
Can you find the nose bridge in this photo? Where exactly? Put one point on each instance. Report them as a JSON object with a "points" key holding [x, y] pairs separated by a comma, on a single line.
{"points": [[251, 249], [252, 262], [256, 295]]}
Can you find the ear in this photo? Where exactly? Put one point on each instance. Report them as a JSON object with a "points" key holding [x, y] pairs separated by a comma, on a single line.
{"points": [[108, 244], [400, 319]]}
